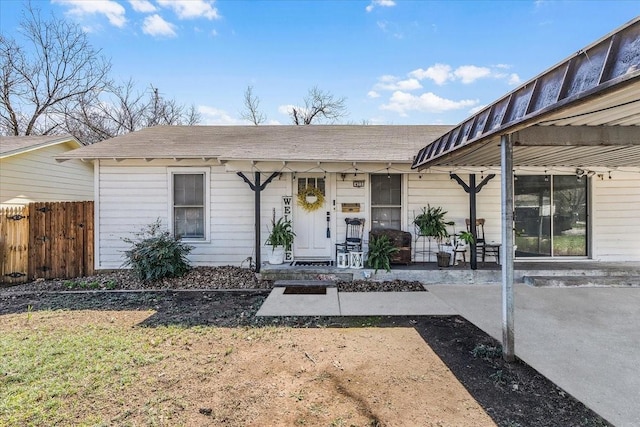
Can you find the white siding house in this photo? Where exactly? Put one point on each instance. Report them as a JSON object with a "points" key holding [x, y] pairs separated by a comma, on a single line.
{"points": [[135, 185], [29, 171]]}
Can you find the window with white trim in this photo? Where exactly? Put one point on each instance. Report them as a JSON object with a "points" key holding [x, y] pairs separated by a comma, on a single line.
{"points": [[189, 201], [386, 201]]}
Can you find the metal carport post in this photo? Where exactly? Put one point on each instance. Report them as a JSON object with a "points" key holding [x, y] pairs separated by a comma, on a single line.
{"points": [[506, 194]]}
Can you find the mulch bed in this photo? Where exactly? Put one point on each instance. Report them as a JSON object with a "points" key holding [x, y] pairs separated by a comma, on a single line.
{"points": [[512, 394]]}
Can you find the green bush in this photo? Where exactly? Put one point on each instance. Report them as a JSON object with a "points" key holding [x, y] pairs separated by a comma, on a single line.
{"points": [[155, 254], [380, 251]]}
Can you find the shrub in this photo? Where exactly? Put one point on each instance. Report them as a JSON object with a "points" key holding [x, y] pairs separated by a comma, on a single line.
{"points": [[380, 251], [155, 254]]}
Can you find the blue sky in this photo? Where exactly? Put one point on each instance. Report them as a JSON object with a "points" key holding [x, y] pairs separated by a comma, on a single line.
{"points": [[395, 61]]}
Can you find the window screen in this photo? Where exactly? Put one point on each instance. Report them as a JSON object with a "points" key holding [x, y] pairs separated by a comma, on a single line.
{"points": [[188, 205], [386, 201]]}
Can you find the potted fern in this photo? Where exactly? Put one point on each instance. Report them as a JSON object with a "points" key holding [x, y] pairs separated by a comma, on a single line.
{"points": [[381, 249], [432, 224], [280, 239]]}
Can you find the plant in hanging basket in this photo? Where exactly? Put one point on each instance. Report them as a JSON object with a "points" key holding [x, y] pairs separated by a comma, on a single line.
{"points": [[431, 223], [310, 198]]}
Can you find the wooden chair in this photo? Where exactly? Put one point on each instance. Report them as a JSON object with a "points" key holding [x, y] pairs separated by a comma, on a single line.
{"points": [[482, 247], [353, 236]]}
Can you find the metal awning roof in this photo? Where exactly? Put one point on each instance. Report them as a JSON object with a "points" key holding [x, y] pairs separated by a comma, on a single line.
{"points": [[583, 111]]}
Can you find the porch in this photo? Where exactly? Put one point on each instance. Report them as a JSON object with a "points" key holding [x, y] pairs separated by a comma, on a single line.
{"points": [[537, 273]]}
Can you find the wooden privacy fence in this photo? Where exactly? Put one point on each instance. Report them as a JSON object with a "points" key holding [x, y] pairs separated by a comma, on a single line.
{"points": [[46, 240]]}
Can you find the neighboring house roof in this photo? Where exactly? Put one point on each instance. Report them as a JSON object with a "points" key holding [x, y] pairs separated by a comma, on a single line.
{"points": [[12, 145], [326, 143], [581, 112]]}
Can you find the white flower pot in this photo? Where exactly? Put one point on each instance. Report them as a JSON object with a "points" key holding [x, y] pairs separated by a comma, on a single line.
{"points": [[276, 256]]}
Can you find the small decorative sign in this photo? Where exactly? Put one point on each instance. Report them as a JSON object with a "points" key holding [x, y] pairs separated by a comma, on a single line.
{"points": [[287, 208], [287, 214], [350, 207], [358, 183]]}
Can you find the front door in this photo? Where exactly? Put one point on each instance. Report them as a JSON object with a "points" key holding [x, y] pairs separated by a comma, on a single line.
{"points": [[313, 240]]}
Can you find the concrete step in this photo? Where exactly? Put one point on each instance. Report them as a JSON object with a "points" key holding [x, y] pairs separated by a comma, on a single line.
{"points": [[307, 274], [304, 283], [559, 281]]}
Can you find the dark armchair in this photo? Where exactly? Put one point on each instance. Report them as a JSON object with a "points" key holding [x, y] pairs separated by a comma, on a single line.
{"points": [[400, 239]]}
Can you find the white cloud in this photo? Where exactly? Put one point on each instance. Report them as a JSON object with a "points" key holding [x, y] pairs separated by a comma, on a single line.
{"points": [[391, 28], [380, 3], [470, 73], [514, 80], [373, 94], [143, 6], [466, 74], [439, 73], [402, 102], [392, 83], [155, 26], [286, 109], [112, 10], [191, 9], [216, 116]]}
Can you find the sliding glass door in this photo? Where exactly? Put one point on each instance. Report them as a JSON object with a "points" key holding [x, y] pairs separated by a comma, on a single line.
{"points": [[550, 215]]}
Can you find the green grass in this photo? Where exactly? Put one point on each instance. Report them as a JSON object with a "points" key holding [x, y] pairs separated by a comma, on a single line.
{"points": [[42, 370]]}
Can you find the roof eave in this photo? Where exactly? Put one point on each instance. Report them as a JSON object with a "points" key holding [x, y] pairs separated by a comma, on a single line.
{"points": [[46, 144]]}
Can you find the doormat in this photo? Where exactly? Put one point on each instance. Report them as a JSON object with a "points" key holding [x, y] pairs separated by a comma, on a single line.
{"points": [[305, 290], [312, 262]]}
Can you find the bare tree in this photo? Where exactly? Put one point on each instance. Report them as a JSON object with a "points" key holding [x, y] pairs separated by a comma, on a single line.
{"points": [[318, 107], [122, 109], [61, 68], [251, 112]]}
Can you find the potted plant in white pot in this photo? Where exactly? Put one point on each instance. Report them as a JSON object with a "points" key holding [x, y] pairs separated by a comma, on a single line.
{"points": [[431, 223], [280, 239]]}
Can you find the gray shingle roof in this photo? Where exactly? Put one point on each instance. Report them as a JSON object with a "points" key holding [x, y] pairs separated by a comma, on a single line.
{"points": [[11, 145], [338, 143]]}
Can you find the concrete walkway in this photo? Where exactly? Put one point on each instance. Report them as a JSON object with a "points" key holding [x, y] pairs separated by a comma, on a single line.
{"points": [[585, 339], [336, 303]]}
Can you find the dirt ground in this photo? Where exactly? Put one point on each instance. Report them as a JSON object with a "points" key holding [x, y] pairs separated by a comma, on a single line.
{"points": [[374, 371], [282, 376]]}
